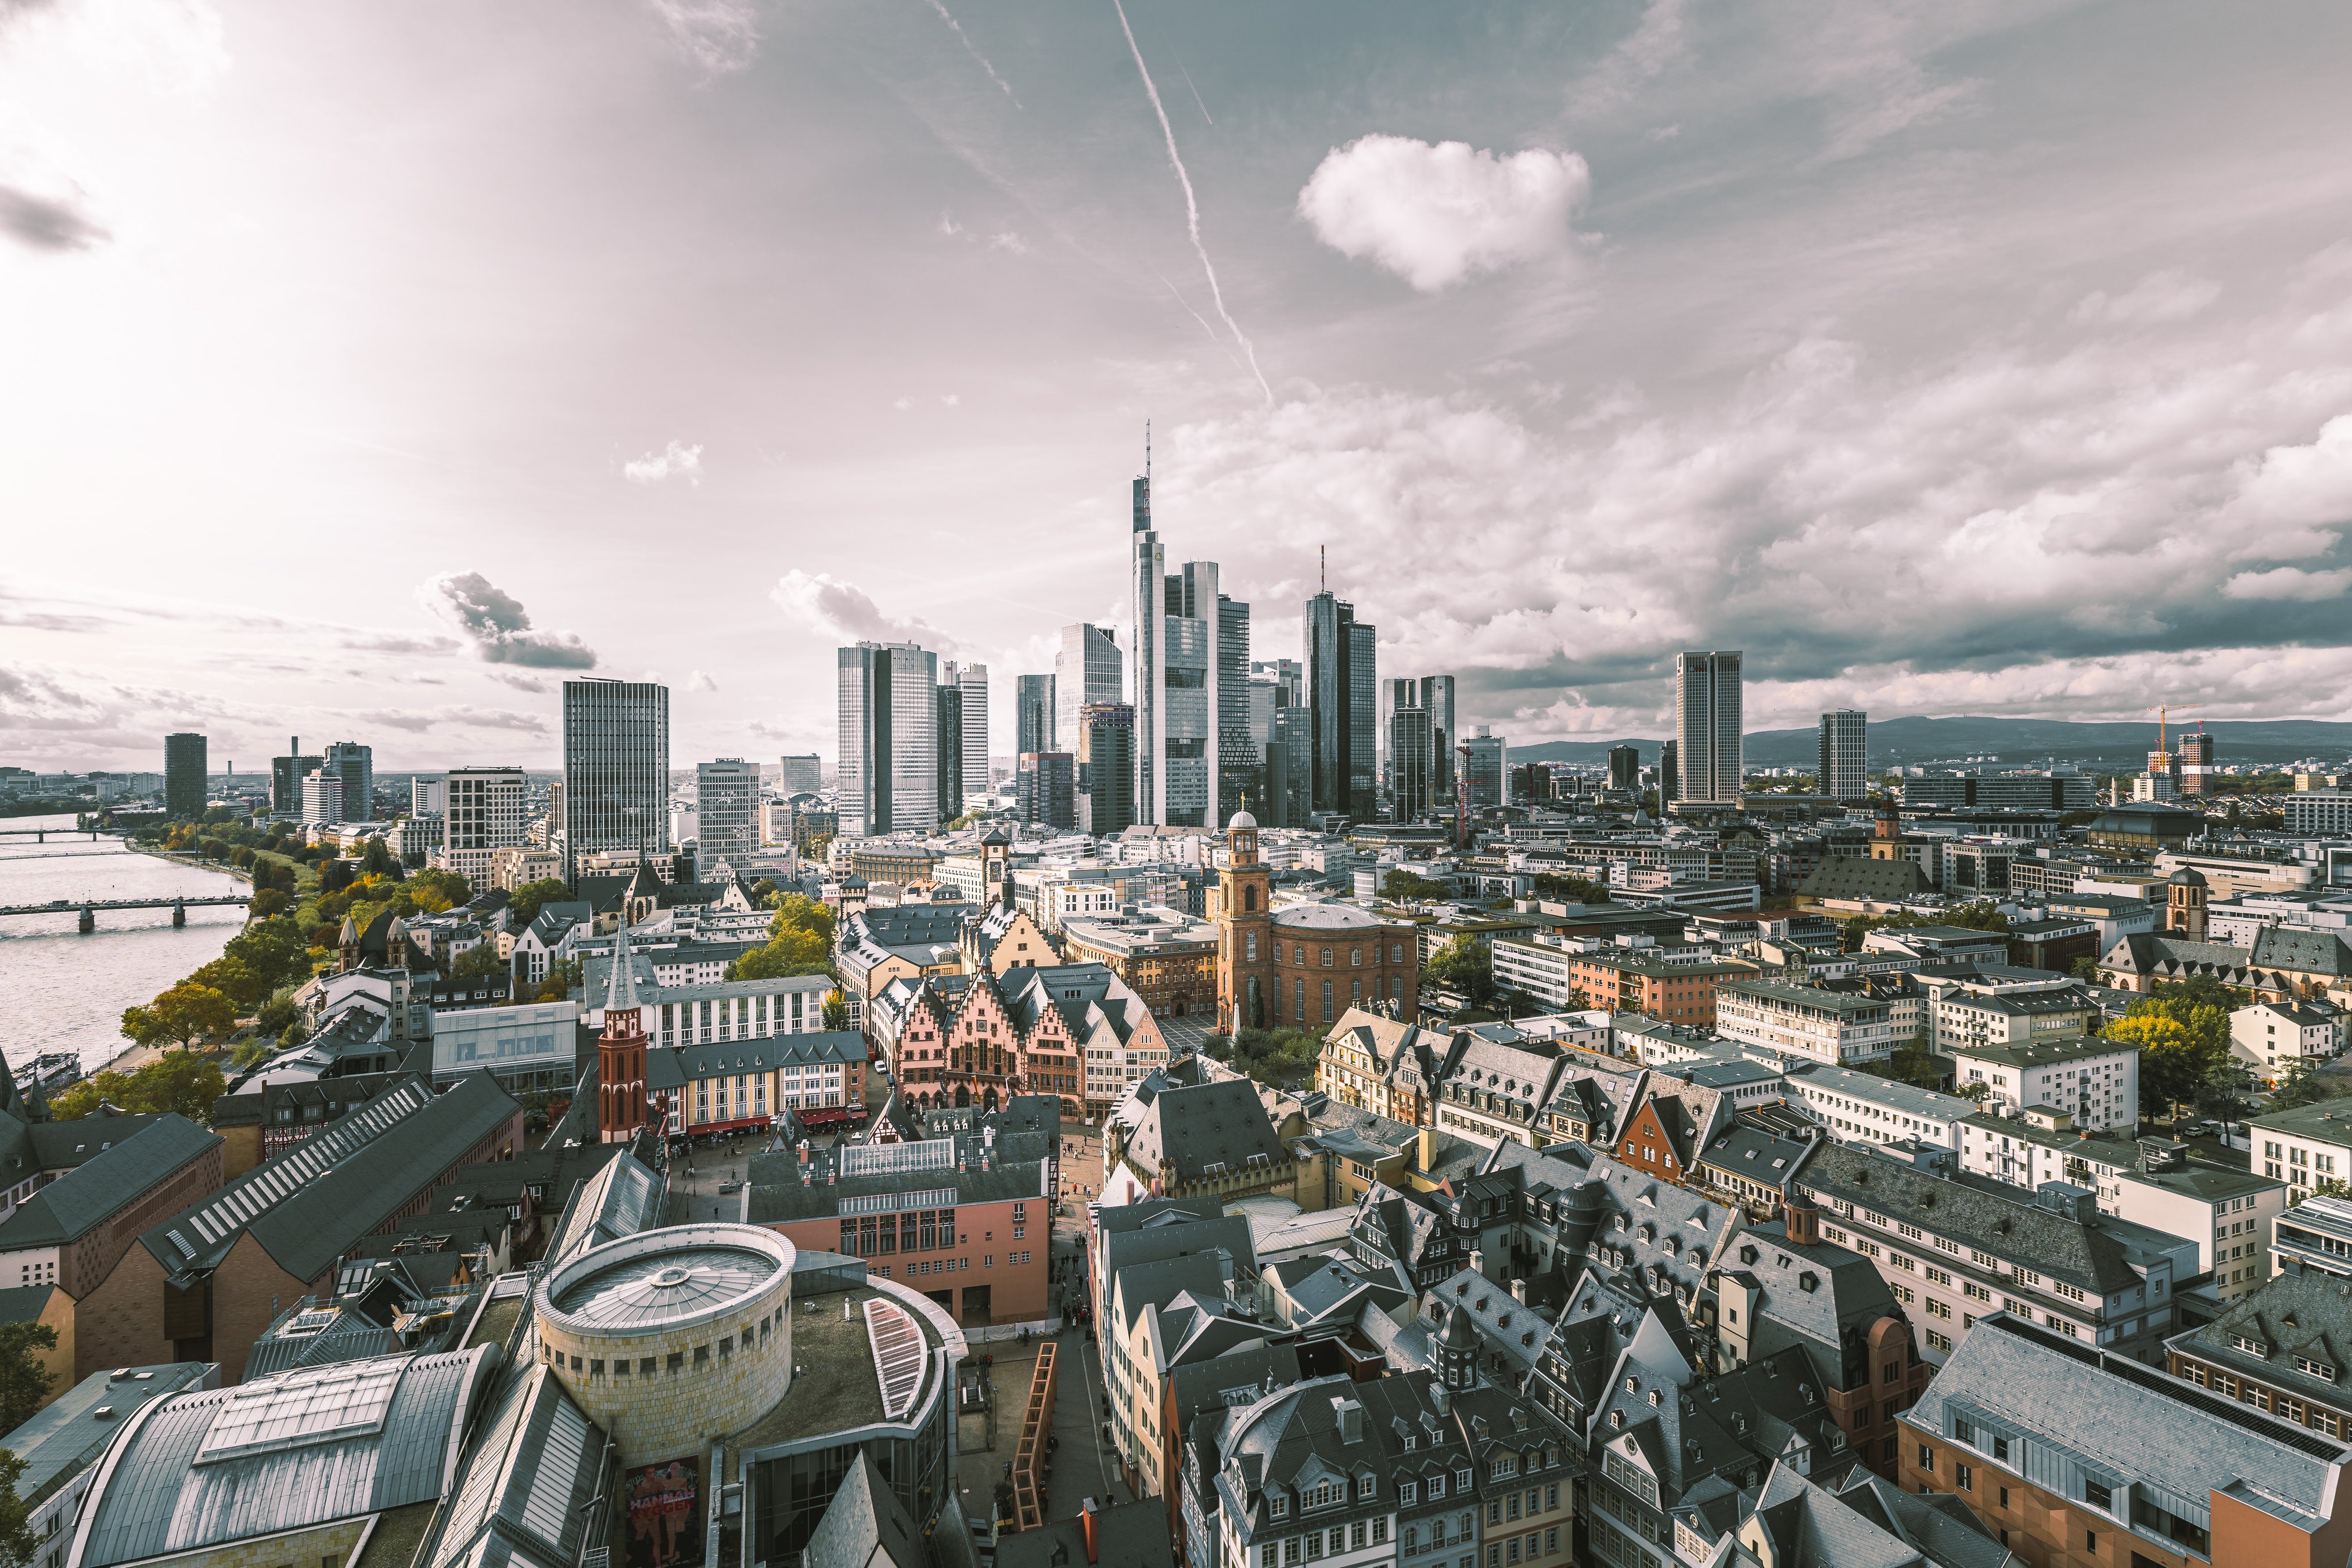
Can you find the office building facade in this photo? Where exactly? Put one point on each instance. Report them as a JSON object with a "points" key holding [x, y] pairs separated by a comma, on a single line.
{"points": [[355, 766], [1842, 770], [1193, 745], [1342, 696], [186, 767], [1481, 759], [285, 776], [482, 813], [951, 747], [1707, 719], [323, 798], [1044, 789], [1089, 670], [801, 773], [616, 766], [1670, 776], [973, 679], [890, 736], [727, 797], [1106, 777], [1409, 753], [1624, 767], [1032, 714], [1437, 701]]}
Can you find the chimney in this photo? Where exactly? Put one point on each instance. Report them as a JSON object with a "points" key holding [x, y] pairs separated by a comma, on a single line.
{"points": [[1519, 1291], [1428, 1157], [1087, 1522], [1477, 1262], [1804, 1221], [1351, 1419]]}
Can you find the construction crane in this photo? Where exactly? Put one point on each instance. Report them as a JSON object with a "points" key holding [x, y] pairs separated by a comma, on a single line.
{"points": [[2162, 711]]}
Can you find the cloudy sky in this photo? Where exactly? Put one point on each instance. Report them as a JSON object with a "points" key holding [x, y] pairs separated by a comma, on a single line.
{"points": [[366, 369]]}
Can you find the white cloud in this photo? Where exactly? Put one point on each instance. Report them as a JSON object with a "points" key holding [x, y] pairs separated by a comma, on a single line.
{"points": [[676, 458], [838, 609], [2300, 485], [1435, 214], [721, 36], [2170, 295], [700, 681], [2288, 583]]}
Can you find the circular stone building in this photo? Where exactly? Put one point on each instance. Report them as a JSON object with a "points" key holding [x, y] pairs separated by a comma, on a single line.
{"points": [[672, 1336]]}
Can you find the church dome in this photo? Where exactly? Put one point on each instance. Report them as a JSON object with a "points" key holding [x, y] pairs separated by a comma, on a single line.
{"points": [[2188, 877], [1242, 819]]}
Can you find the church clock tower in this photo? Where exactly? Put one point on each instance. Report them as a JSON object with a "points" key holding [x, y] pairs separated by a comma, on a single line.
{"points": [[1245, 930]]}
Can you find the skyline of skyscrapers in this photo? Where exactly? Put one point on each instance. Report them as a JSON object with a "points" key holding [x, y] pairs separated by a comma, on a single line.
{"points": [[1195, 754], [1841, 770], [616, 766], [889, 709], [1707, 716]]}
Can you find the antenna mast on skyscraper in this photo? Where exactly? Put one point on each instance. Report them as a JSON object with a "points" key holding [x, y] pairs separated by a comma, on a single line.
{"points": [[1147, 449], [1322, 574]]}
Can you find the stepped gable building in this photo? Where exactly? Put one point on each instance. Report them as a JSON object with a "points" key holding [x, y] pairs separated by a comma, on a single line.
{"points": [[1304, 965], [965, 1039]]}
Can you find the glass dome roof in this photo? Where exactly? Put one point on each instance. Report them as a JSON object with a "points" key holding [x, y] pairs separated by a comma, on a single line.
{"points": [[656, 1287]]}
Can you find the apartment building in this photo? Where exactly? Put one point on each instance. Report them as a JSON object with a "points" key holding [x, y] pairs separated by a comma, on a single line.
{"points": [[2306, 1146], [2286, 1349], [2082, 1458], [1957, 1250], [2271, 1038], [2096, 1083], [1832, 1027], [1862, 1108], [1968, 1017]]}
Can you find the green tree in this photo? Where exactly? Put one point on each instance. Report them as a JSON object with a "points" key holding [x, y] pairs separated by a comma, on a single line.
{"points": [[437, 890], [270, 901], [792, 952], [16, 1543], [233, 979], [2086, 969], [1569, 890], [560, 979], [837, 1012], [25, 1382], [798, 911], [2174, 1062], [173, 1081], [1463, 965], [273, 949], [525, 903], [2221, 1093], [379, 860], [479, 961], [181, 1016], [2305, 1084], [1406, 886]]}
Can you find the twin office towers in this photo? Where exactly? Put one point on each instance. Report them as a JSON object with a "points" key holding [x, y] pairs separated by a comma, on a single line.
{"points": [[1204, 731]]}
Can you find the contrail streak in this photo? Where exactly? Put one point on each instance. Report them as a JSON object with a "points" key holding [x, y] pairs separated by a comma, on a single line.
{"points": [[1196, 93], [1202, 320], [972, 51], [1191, 207]]}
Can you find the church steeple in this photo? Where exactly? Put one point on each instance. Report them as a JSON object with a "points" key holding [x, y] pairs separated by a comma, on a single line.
{"points": [[621, 1051]]}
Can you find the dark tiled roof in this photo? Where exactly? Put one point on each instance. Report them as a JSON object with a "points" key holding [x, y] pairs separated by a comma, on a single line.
{"points": [[1190, 1128], [1852, 876], [88, 1196]]}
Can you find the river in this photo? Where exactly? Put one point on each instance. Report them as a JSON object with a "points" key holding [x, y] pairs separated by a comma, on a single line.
{"points": [[67, 991]]}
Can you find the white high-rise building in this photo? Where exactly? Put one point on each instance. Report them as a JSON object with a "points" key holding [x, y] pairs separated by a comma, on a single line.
{"points": [[1707, 716], [616, 767], [726, 802], [322, 797], [889, 739], [427, 797], [973, 679], [484, 814], [1088, 669]]}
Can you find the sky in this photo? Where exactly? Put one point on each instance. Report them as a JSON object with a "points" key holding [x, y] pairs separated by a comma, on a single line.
{"points": [[367, 371]]}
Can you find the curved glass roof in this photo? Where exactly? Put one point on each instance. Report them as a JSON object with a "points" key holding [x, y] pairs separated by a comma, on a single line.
{"points": [[656, 1287]]}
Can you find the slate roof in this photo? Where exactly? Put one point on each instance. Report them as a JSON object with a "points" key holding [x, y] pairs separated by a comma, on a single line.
{"points": [[619, 1200], [2294, 1317], [2078, 1252], [1815, 1297], [2302, 950], [778, 1196], [1853, 876], [156, 1492], [311, 1205], [1189, 1128], [1735, 1425], [2118, 1418], [1756, 1155], [1859, 1524], [93, 1192]]}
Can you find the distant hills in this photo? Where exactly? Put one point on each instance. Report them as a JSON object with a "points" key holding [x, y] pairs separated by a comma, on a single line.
{"points": [[1912, 741]]}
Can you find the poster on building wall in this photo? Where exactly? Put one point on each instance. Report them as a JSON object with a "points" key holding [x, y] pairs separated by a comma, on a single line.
{"points": [[666, 1523]]}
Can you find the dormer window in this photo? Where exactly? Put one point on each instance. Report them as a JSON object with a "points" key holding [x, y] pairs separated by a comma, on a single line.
{"points": [[1366, 1487], [2318, 1369], [2255, 1348], [1278, 1506]]}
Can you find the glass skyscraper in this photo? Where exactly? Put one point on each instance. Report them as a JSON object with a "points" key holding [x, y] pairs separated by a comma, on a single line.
{"points": [[889, 715], [1707, 719], [615, 765]]}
